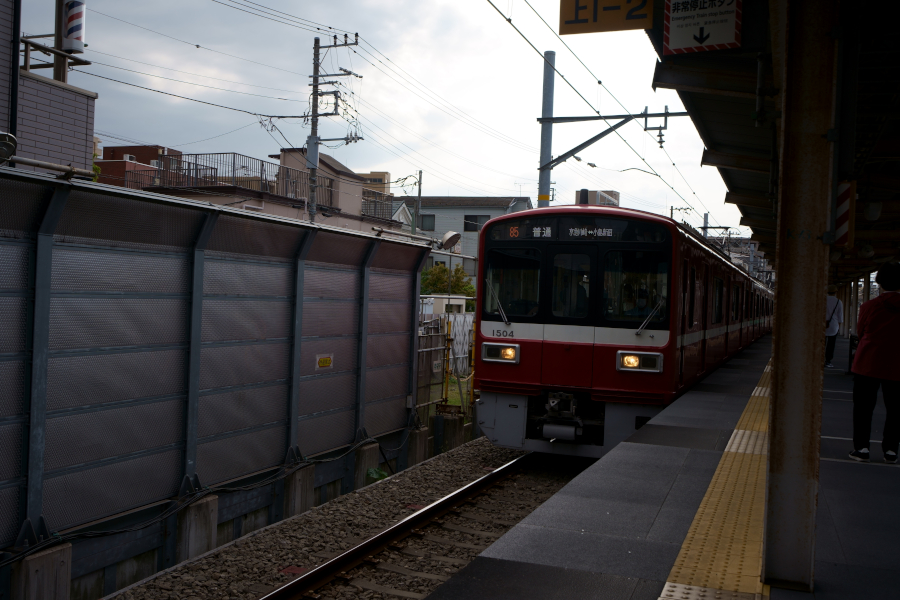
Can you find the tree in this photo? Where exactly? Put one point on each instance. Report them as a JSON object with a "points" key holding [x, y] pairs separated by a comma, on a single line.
{"points": [[434, 281]]}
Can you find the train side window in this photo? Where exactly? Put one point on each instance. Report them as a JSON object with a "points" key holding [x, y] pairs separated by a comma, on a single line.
{"points": [[693, 292], [736, 303], [635, 285], [718, 300], [571, 285], [514, 277]]}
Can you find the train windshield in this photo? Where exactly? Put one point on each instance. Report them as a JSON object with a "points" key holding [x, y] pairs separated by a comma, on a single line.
{"points": [[635, 285], [513, 275]]}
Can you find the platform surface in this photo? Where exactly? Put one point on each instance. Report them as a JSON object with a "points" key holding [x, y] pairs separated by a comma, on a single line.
{"points": [[616, 531]]}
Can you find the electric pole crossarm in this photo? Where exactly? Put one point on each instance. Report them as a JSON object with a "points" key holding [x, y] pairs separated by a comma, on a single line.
{"points": [[564, 157], [604, 118], [347, 74]]}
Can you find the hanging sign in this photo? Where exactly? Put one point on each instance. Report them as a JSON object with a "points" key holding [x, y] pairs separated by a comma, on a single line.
{"points": [[844, 222], [592, 16], [701, 25]]}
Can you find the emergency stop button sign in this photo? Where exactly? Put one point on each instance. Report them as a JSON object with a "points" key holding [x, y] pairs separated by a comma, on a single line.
{"points": [[701, 25]]}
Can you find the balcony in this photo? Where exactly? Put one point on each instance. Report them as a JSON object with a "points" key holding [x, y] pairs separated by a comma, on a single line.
{"points": [[377, 204], [233, 170]]}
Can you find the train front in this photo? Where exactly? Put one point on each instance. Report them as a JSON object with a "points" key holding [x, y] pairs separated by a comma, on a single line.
{"points": [[573, 343]]}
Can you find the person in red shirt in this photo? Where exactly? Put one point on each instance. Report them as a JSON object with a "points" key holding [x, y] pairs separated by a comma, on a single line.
{"points": [[877, 364]]}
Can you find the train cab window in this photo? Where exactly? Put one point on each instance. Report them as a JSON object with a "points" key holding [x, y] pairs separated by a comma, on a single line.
{"points": [[571, 285], [635, 286], [718, 300], [513, 276]]}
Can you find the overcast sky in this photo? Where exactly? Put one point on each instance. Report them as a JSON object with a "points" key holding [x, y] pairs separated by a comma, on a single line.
{"points": [[448, 87]]}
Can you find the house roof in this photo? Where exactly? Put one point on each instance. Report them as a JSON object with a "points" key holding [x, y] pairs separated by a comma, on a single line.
{"points": [[467, 201], [332, 163]]}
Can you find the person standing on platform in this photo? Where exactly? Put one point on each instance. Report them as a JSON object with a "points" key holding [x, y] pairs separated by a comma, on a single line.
{"points": [[876, 365], [834, 316]]}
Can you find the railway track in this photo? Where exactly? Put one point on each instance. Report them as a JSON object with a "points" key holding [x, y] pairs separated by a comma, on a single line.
{"points": [[415, 555]]}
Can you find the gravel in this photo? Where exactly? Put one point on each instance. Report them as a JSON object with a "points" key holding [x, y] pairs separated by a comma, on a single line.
{"points": [[252, 566]]}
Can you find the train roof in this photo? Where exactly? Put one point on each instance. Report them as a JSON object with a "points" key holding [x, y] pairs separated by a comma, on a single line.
{"points": [[633, 213]]}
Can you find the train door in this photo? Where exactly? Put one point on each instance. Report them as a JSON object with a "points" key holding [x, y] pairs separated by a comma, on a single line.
{"points": [[683, 322], [572, 288], [704, 314]]}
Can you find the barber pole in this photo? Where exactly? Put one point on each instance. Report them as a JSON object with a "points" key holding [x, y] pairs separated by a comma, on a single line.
{"points": [[73, 27], [844, 220]]}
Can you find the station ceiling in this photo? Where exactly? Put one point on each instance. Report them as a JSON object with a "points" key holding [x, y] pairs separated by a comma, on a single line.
{"points": [[721, 92]]}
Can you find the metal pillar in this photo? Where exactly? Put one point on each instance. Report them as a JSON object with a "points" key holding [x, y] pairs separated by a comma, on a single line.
{"points": [[807, 82], [867, 287], [854, 306], [414, 332], [192, 410], [297, 334], [546, 128], [33, 525], [363, 341], [846, 324]]}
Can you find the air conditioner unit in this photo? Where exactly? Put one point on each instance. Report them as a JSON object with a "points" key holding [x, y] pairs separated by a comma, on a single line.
{"points": [[154, 163], [129, 157]]}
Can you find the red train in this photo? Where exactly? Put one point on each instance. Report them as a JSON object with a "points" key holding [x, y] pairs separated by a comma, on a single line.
{"points": [[593, 319]]}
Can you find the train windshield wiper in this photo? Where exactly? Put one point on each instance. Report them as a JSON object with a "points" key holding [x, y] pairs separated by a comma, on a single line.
{"points": [[499, 306], [650, 316]]}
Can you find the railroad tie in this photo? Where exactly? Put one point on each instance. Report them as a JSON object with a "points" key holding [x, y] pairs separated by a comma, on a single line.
{"points": [[453, 527], [370, 585], [404, 571]]}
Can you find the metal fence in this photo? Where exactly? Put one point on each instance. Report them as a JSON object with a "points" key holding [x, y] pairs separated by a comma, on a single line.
{"points": [[145, 338], [229, 169], [377, 204]]}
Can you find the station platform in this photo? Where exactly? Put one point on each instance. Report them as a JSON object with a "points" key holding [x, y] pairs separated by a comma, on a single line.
{"points": [[677, 510]]}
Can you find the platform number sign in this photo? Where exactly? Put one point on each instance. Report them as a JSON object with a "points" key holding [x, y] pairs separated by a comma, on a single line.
{"points": [[701, 25], [592, 16]]}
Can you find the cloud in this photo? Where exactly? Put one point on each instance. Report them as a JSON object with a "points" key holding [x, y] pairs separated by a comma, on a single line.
{"points": [[454, 73]]}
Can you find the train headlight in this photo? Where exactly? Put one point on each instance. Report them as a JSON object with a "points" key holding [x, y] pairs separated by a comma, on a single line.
{"points": [[505, 353], [648, 362]]}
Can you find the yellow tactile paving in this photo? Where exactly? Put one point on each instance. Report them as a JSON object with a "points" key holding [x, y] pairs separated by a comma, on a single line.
{"points": [[722, 554]]}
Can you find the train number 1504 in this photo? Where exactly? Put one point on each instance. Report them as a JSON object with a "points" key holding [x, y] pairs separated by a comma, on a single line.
{"points": [[502, 333]]}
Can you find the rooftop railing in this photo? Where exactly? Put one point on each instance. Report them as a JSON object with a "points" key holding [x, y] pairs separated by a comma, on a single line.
{"points": [[230, 169], [377, 204]]}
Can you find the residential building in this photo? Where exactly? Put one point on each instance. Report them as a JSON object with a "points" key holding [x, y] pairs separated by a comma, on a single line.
{"points": [[465, 215], [599, 198], [380, 181], [52, 120], [116, 162]]}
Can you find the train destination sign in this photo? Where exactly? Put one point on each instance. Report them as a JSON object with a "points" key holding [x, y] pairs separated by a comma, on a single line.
{"points": [[701, 25], [593, 16]]}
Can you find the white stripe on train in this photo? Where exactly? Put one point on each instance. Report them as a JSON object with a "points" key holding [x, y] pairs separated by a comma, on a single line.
{"points": [[580, 334]]}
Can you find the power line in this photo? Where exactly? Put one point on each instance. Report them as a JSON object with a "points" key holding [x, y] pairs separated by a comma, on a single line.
{"points": [[586, 101], [97, 12], [191, 99], [95, 51], [608, 91]]}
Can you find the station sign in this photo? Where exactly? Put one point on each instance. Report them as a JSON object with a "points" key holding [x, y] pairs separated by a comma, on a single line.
{"points": [[701, 25], [593, 16]]}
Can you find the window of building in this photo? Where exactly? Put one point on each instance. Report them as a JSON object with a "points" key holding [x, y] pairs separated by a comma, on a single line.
{"points": [[571, 285], [426, 222], [474, 222], [718, 300]]}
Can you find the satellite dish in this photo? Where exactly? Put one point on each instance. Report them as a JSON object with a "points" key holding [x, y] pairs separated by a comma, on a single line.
{"points": [[8, 145], [449, 240]]}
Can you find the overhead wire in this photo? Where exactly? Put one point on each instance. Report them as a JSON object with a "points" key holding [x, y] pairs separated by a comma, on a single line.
{"points": [[613, 96], [586, 101]]}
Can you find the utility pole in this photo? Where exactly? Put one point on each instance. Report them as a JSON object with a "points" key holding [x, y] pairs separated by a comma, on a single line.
{"points": [[417, 210], [706, 225], [312, 142], [546, 128]]}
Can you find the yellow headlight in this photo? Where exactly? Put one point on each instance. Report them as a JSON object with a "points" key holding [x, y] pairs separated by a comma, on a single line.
{"points": [[631, 361], [508, 353]]}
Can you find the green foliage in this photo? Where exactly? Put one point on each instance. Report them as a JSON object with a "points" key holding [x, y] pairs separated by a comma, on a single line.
{"points": [[376, 474], [434, 281], [96, 168]]}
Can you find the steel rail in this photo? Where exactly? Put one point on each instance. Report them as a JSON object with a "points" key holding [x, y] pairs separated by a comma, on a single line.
{"points": [[331, 569]]}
